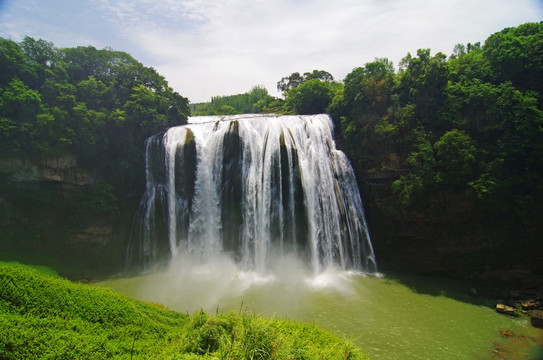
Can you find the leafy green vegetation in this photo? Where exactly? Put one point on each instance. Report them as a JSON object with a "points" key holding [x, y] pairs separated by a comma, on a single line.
{"points": [[43, 316], [310, 93], [83, 100], [257, 100], [99, 105], [471, 123]]}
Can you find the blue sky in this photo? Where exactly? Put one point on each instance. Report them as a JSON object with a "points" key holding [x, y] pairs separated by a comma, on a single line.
{"points": [[222, 47]]}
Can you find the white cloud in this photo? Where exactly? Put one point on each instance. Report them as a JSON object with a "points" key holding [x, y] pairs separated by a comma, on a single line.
{"points": [[219, 47]]}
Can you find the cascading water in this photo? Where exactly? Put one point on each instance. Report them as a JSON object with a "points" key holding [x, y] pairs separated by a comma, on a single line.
{"points": [[253, 187]]}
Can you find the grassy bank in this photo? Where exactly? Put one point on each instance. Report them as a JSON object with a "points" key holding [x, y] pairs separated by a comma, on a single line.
{"points": [[43, 316]]}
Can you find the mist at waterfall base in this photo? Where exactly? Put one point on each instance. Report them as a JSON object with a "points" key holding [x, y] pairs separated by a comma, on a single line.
{"points": [[261, 214]]}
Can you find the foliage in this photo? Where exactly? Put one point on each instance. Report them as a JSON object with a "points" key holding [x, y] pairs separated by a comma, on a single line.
{"points": [[311, 97], [257, 100], [455, 155], [471, 123], [45, 316], [295, 79], [310, 93], [365, 98], [94, 106], [99, 105]]}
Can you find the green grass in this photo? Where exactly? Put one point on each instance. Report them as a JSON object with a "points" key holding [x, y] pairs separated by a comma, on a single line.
{"points": [[43, 316]]}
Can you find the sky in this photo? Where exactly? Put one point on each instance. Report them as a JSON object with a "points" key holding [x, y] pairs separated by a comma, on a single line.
{"points": [[207, 48]]}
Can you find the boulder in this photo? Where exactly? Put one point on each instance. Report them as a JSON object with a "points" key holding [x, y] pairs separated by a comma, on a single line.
{"points": [[507, 310], [530, 305]]}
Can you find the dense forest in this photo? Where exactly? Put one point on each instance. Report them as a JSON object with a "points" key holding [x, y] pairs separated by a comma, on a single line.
{"points": [[255, 101], [98, 104], [448, 132], [472, 122]]}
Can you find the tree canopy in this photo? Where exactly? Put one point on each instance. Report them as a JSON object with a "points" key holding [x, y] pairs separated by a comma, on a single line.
{"points": [[471, 122], [99, 105], [295, 79], [257, 100]]}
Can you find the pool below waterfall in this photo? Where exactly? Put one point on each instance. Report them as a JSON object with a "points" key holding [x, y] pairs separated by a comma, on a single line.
{"points": [[389, 316]]}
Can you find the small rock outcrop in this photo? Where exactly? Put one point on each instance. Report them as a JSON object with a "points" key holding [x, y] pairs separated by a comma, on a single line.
{"points": [[63, 169], [506, 310]]}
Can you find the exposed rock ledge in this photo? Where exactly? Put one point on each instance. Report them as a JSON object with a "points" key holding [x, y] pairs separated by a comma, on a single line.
{"points": [[64, 169]]}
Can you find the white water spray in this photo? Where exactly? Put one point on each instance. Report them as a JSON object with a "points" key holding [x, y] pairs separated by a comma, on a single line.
{"points": [[255, 188]]}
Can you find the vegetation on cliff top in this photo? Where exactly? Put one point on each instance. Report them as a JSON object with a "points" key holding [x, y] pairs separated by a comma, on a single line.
{"points": [[43, 316], [257, 100], [99, 105], [470, 123]]}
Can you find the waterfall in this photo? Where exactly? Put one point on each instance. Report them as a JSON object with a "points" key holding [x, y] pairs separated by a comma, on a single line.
{"points": [[253, 187]]}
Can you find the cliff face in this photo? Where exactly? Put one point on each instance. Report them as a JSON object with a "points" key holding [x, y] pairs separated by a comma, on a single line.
{"points": [[63, 170], [445, 233], [45, 210]]}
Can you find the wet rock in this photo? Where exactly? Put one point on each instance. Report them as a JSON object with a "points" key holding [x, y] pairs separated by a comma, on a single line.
{"points": [[92, 236], [506, 310], [530, 305]]}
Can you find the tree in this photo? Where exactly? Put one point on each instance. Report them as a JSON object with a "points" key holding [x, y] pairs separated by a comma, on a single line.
{"points": [[368, 88], [455, 155], [421, 178], [41, 55], [289, 82], [515, 55], [13, 63], [19, 106], [422, 82], [311, 97], [295, 79]]}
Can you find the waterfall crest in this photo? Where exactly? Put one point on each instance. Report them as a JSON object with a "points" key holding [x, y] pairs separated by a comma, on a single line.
{"points": [[253, 187]]}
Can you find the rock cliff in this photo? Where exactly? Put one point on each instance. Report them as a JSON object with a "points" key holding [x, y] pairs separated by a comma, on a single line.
{"points": [[445, 233], [47, 209], [62, 169]]}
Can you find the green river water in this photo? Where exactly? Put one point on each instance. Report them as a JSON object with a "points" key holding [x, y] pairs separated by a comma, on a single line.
{"points": [[392, 316]]}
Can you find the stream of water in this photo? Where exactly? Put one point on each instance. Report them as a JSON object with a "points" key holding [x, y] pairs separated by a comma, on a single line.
{"points": [[390, 317]]}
